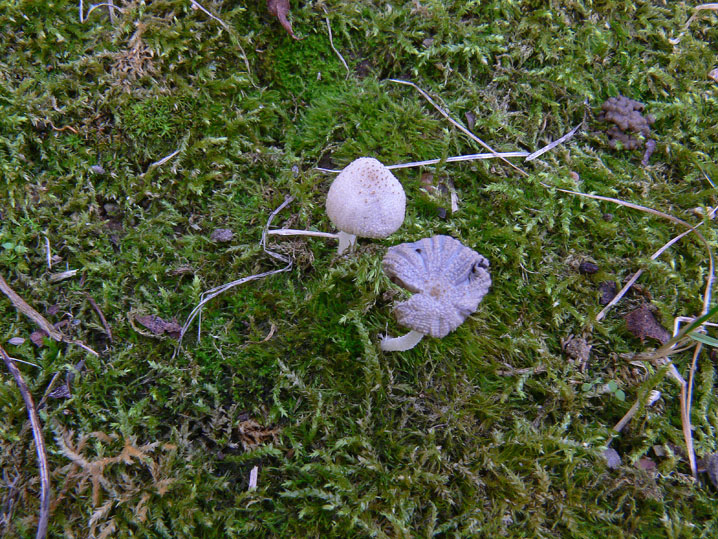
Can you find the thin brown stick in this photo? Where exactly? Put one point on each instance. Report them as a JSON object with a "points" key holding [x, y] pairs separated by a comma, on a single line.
{"points": [[39, 446], [99, 313], [22, 306]]}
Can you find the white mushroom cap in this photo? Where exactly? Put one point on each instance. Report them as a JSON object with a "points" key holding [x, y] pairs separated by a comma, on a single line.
{"points": [[366, 200], [449, 281]]}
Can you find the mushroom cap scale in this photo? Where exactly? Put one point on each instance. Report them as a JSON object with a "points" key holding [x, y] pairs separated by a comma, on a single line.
{"points": [[449, 281], [366, 200]]}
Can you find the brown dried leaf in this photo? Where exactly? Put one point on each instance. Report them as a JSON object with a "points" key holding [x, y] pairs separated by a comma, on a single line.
{"points": [[158, 326], [642, 323], [280, 9], [154, 323]]}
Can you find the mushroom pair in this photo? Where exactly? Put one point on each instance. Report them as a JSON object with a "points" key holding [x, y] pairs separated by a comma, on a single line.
{"points": [[365, 200], [449, 281]]}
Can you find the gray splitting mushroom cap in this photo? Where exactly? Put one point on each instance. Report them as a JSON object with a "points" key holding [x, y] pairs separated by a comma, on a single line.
{"points": [[366, 200], [448, 280]]}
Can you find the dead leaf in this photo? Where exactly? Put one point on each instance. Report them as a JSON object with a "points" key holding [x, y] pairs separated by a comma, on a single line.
{"points": [[642, 323], [280, 9], [158, 326]]}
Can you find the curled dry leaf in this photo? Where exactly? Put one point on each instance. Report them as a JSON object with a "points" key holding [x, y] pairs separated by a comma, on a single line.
{"points": [[642, 323], [280, 9]]}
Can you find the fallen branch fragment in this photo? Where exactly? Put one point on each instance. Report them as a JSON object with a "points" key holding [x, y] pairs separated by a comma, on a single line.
{"points": [[22, 306], [39, 445]]}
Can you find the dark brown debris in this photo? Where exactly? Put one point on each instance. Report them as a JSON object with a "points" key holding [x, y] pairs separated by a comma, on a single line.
{"points": [[642, 323], [158, 326], [608, 292], [588, 267]]}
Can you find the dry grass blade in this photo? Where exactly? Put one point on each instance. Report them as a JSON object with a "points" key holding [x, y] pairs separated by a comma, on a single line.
{"points": [[457, 124], [711, 268], [214, 292], [696, 12], [454, 159], [331, 41], [555, 143], [39, 445]]}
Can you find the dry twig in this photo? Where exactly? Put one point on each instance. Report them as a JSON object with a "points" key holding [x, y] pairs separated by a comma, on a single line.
{"points": [[99, 313], [22, 306], [39, 445]]}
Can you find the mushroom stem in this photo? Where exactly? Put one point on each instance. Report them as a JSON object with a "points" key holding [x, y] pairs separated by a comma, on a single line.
{"points": [[346, 241], [399, 344], [293, 232]]}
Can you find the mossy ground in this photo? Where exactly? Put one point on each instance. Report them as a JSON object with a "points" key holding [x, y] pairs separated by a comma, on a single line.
{"points": [[435, 441]]}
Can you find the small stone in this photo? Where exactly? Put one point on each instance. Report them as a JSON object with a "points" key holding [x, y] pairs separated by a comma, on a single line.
{"points": [[441, 212], [608, 217], [222, 235], [588, 267], [97, 169], [16, 341]]}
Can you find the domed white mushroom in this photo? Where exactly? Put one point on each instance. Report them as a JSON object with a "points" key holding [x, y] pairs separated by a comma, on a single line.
{"points": [[449, 281], [365, 200]]}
